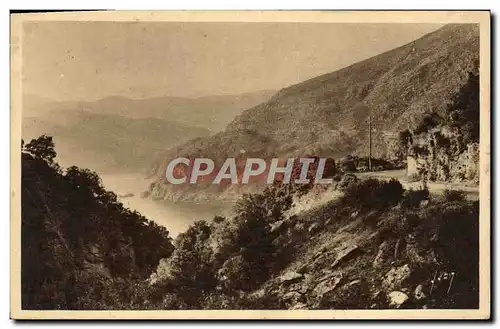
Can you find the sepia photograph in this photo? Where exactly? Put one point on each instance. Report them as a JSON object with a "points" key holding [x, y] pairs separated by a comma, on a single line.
{"points": [[250, 165]]}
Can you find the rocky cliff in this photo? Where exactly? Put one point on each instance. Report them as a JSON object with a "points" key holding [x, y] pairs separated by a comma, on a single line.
{"points": [[446, 147], [327, 115]]}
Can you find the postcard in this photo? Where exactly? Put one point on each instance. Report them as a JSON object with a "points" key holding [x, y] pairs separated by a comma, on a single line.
{"points": [[250, 165]]}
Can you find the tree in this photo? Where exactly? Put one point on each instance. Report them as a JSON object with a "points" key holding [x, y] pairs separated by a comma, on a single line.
{"points": [[86, 180], [398, 150], [254, 214], [428, 122], [189, 271], [405, 138], [463, 112], [347, 163], [373, 194], [42, 148], [69, 221]]}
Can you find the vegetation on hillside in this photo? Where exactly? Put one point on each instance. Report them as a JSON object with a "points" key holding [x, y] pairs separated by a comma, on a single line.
{"points": [[373, 245], [81, 249], [353, 252], [446, 146], [328, 115]]}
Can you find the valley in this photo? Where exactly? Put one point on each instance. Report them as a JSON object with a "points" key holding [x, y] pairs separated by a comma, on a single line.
{"points": [[137, 204], [119, 134], [327, 116], [175, 216]]}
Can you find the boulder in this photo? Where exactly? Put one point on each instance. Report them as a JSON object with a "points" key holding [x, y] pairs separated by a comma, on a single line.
{"points": [[290, 277], [314, 228], [419, 292], [293, 298], [299, 306], [396, 277], [345, 255], [397, 298], [325, 287], [277, 226], [302, 269], [383, 254]]}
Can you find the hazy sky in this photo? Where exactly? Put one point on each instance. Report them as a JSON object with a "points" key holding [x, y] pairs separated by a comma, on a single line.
{"points": [[91, 60]]}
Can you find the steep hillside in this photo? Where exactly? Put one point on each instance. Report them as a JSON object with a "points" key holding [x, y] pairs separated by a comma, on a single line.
{"points": [[366, 245], [108, 142], [327, 115], [358, 244], [446, 147], [81, 249]]}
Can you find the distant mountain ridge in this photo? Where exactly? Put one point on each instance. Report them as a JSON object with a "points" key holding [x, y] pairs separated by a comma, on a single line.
{"points": [[123, 134], [327, 115], [109, 143], [209, 112]]}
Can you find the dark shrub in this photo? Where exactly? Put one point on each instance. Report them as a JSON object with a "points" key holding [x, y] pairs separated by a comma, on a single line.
{"points": [[457, 246], [454, 195], [346, 181], [405, 138], [189, 270], [428, 122], [413, 198], [391, 192], [420, 151], [348, 164], [373, 193], [81, 248], [42, 148], [247, 253]]}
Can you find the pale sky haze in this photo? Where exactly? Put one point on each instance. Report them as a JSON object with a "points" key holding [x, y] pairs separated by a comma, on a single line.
{"points": [[92, 60]]}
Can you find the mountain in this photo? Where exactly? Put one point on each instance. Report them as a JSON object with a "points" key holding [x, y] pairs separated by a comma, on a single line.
{"points": [[364, 244], [328, 115], [81, 249], [209, 112], [359, 244], [108, 142], [123, 134]]}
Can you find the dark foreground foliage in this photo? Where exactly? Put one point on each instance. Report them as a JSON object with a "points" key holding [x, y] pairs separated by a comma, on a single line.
{"points": [[81, 249], [238, 261]]}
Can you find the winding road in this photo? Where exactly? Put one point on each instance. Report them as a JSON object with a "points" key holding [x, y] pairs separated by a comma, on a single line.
{"points": [[434, 187]]}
